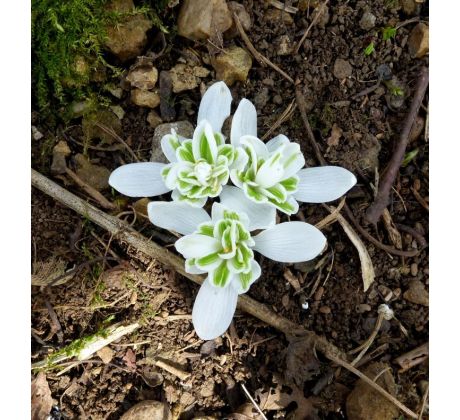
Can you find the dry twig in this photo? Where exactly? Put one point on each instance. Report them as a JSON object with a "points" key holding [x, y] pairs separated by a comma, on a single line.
{"points": [[253, 402], [413, 357], [382, 198], [117, 137]]}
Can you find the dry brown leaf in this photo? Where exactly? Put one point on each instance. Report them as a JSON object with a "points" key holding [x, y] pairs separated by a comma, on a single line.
{"points": [[130, 360], [42, 402], [336, 133], [301, 362], [46, 272], [367, 267], [393, 233]]}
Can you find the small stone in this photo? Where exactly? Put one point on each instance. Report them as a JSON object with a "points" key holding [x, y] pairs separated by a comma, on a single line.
{"points": [[36, 135], [285, 301], [386, 292], [200, 19], [128, 38], [148, 410], [276, 15], [207, 390], [365, 403], [182, 128], [79, 108], [106, 354], [143, 77], [243, 17], [410, 7], [418, 42], [417, 293], [261, 98], [284, 45], [342, 69], [232, 65], [60, 152], [145, 98], [367, 21], [319, 293], [325, 310], [417, 128], [323, 19], [117, 91], [95, 175], [187, 399], [185, 77], [363, 307], [277, 99], [154, 119], [414, 269], [118, 111]]}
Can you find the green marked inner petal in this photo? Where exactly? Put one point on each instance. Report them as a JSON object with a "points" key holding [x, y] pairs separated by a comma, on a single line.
{"points": [[231, 215], [285, 207], [245, 279], [290, 184], [207, 260], [184, 154], [220, 139], [221, 275], [206, 229], [254, 194], [277, 193], [205, 149], [219, 228]]}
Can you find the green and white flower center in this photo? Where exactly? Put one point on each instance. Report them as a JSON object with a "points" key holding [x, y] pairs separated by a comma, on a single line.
{"points": [[203, 171]]}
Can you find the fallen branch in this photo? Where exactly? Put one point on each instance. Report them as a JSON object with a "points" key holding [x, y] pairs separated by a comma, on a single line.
{"points": [[125, 233], [374, 385], [382, 198], [413, 357]]}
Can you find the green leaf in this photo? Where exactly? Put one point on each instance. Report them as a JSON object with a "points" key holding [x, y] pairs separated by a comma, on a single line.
{"points": [[369, 49], [409, 157], [388, 33]]}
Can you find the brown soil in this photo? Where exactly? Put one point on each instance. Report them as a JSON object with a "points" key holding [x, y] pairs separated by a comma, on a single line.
{"points": [[250, 353]]}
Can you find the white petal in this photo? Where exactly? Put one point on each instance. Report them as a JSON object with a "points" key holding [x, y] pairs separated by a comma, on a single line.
{"points": [[323, 184], [178, 197], [217, 211], [258, 145], [213, 310], [276, 142], [290, 242], [179, 217], [215, 105], [191, 269], [269, 174], [261, 216], [168, 150], [141, 179], [196, 245], [256, 272], [293, 160], [244, 122]]}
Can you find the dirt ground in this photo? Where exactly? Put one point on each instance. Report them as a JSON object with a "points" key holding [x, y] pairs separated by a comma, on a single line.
{"points": [[113, 281]]}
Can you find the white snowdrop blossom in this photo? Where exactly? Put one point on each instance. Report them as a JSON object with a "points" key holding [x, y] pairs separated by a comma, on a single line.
{"points": [[273, 172], [222, 247], [198, 167]]}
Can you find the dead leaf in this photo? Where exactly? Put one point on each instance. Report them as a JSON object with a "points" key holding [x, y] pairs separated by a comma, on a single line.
{"points": [[336, 133], [393, 233], [301, 362], [367, 267], [42, 402], [50, 272], [130, 360]]}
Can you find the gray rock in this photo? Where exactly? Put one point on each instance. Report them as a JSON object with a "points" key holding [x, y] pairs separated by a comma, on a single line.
{"points": [[154, 119], [417, 293], [243, 17], [342, 69], [148, 410], [199, 19], [95, 175], [183, 128], [367, 21]]}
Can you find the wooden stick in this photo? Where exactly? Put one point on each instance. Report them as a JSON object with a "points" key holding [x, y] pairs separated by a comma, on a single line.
{"points": [[413, 357], [125, 233], [374, 385]]}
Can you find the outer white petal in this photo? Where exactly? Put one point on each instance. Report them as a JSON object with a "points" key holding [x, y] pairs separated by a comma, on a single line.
{"points": [[290, 242], [261, 216], [196, 245], [167, 148], [276, 142], [256, 272], [215, 105], [244, 122], [258, 145], [180, 217], [293, 160], [192, 269], [141, 179], [323, 184], [217, 211], [213, 310]]}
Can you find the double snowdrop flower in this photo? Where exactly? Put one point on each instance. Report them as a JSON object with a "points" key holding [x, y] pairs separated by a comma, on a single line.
{"points": [[273, 172], [222, 246], [199, 167]]}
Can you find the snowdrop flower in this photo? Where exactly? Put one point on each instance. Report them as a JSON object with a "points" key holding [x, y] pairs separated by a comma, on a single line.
{"points": [[273, 173], [222, 247], [199, 167]]}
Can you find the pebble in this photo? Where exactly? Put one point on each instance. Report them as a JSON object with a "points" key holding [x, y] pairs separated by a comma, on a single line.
{"points": [[199, 19], [277, 99], [60, 152], [417, 185], [106, 354], [418, 42], [276, 15], [148, 410], [323, 19], [106, 117], [319, 293], [410, 7], [231, 65], [365, 403], [154, 119], [36, 135], [243, 16], [414, 269], [95, 175], [325, 310], [145, 98], [385, 291], [417, 128], [185, 77], [127, 39], [416, 293], [143, 77], [342, 69], [367, 21], [363, 307], [183, 128], [284, 45], [207, 390]]}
